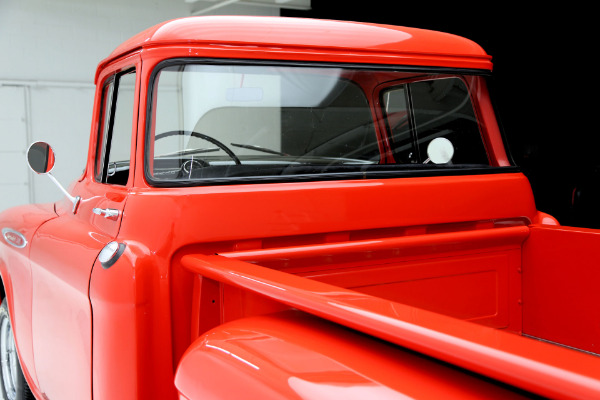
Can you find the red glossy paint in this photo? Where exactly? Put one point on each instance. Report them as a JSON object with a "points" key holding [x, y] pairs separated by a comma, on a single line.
{"points": [[439, 274], [319, 40], [561, 302], [316, 359], [17, 279], [532, 365]]}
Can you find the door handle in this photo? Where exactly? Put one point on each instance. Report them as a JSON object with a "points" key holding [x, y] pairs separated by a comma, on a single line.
{"points": [[108, 213]]}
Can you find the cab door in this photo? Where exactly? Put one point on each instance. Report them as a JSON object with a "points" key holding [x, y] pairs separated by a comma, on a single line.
{"points": [[64, 250]]}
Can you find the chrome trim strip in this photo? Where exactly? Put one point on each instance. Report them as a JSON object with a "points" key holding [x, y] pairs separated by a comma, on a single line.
{"points": [[9, 235]]}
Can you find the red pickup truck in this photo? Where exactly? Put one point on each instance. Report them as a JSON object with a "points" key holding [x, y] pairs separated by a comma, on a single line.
{"points": [[279, 208]]}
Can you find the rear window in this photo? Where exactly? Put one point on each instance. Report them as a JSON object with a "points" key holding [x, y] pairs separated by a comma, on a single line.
{"points": [[233, 123]]}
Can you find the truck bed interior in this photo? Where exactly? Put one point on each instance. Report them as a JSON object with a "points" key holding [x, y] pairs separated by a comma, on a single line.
{"points": [[531, 280]]}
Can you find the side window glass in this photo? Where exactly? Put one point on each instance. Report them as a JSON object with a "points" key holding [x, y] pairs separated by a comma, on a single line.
{"points": [[400, 125], [442, 108], [107, 93], [419, 112], [114, 145]]}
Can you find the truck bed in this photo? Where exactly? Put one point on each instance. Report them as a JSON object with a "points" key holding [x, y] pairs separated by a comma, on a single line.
{"points": [[422, 288]]}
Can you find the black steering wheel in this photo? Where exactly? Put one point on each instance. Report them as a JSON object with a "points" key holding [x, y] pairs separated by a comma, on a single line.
{"points": [[199, 135]]}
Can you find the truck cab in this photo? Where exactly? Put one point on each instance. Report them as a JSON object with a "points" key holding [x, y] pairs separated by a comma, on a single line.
{"points": [[263, 197]]}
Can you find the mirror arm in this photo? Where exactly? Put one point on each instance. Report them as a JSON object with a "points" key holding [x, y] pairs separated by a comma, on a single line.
{"points": [[74, 200]]}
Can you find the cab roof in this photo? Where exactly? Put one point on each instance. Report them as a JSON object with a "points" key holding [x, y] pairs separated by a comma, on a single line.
{"points": [[381, 43]]}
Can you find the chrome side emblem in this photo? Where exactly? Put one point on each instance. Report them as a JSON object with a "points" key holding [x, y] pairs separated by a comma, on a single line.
{"points": [[14, 238]]}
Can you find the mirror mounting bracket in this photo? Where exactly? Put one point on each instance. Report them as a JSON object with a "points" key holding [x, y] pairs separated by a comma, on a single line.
{"points": [[74, 199]]}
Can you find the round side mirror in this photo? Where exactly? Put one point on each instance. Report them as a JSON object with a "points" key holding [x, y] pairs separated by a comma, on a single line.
{"points": [[40, 157], [440, 150]]}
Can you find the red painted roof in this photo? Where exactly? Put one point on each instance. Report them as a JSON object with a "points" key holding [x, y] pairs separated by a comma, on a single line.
{"points": [[302, 35]]}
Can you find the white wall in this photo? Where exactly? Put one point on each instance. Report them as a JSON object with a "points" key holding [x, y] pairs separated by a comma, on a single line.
{"points": [[14, 178], [49, 51]]}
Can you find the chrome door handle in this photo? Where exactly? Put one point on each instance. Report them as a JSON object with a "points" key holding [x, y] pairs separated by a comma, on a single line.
{"points": [[109, 213]]}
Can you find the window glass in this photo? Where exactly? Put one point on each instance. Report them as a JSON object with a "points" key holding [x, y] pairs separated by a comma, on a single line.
{"points": [[113, 158], [439, 108], [442, 108], [233, 122], [105, 123], [265, 115], [399, 124]]}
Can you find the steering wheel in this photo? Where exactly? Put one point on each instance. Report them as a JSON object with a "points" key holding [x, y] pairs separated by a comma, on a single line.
{"points": [[199, 135]]}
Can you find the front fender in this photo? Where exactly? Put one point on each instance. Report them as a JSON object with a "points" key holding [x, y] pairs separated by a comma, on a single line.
{"points": [[15, 276], [292, 355]]}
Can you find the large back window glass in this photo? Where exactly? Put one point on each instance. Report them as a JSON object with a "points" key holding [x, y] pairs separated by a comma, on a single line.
{"points": [[238, 122]]}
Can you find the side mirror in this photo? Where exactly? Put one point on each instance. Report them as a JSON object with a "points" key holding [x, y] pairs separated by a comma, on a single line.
{"points": [[41, 157], [440, 151]]}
